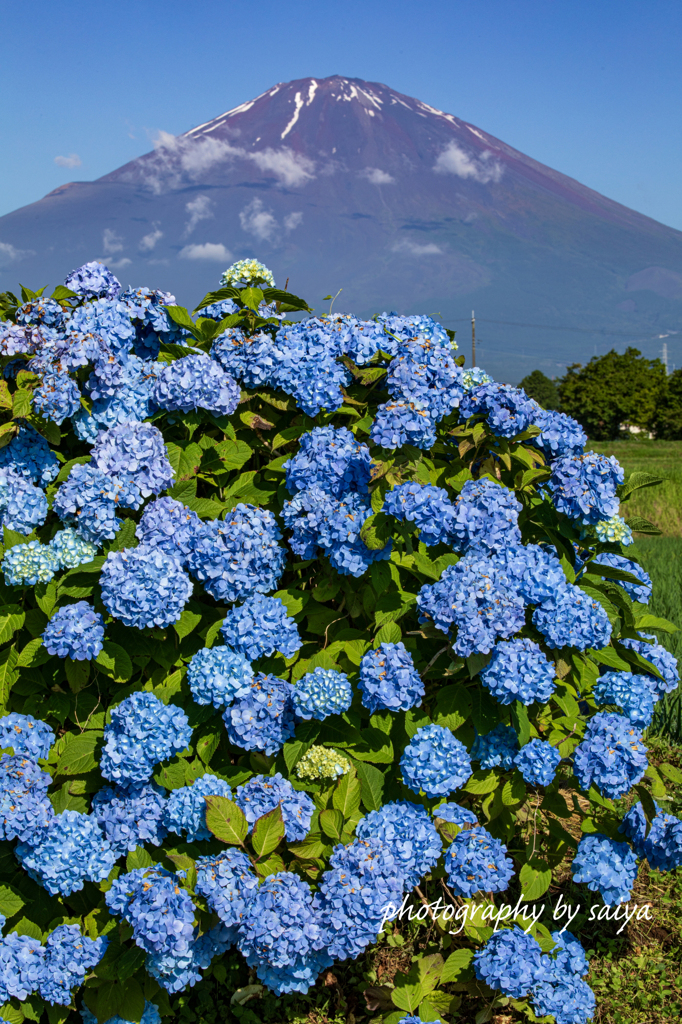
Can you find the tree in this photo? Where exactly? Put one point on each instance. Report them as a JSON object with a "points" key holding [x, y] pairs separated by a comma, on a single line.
{"points": [[611, 391], [542, 389], [667, 422]]}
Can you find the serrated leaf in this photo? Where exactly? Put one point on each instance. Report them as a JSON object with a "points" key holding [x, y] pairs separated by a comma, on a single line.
{"points": [[11, 901], [640, 525], [453, 706], [187, 623], [646, 622], [346, 795], [535, 880], [520, 721], [376, 531], [371, 785], [513, 791], [12, 618], [388, 634], [482, 782], [8, 675], [78, 756], [77, 674], [115, 662], [456, 964], [21, 406], [226, 820], [268, 831], [672, 773], [331, 823], [270, 866], [251, 297], [138, 858]]}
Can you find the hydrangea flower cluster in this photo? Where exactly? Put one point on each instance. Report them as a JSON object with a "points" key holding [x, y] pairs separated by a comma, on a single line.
{"points": [[559, 435], [571, 618], [476, 862], [93, 281], [518, 670], [178, 970], [24, 804], [661, 659], [583, 487], [320, 764], [497, 749], [407, 829], [638, 592], [75, 631], [218, 676], [196, 382], [264, 718], [247, 273], [130, 815], [88, 499], [425, 505], [26, 735], [185, 809], [158, 910], [329, 458], [136, 450], [57, 397], [606, 866], [64, 854], [29, 455], [538, 761], [22, 506], [71, 549], [486, 517], [455, 814], [252, 360], [435, 761], [28, 564], [21, 966], [425, 373], [260, 627], [611, 755], [510, 961], [389, 680], [399, 423], [142, 732], [228, 883], [321, 693], [631, 693], [69, 956], [614, 531], [508, 411], [662, 847], [263, 793], [169, 525], [144, 587]]}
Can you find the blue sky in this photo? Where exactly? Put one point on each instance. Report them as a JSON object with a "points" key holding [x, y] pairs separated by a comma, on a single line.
{"points": [[591, 89]]}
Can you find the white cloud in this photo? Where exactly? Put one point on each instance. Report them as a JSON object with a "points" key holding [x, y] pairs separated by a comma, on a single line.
{"points": [[208, 251], [10, 254], [375, 176], [291, 168], [417, 248], [198, 209], [111, 242], [292, 220], [455, 160], [114, 264], [148, 242], [72, 160], [258, 221]]}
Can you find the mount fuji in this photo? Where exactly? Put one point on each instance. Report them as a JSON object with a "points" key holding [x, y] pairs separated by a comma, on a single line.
{"points": [[338, 183]]}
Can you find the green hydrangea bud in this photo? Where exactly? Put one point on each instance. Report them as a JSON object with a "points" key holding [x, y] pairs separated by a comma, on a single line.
{"points": [[322, 763]]}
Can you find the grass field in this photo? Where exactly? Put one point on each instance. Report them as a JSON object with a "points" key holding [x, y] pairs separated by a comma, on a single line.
{"points": [[661, 505]]}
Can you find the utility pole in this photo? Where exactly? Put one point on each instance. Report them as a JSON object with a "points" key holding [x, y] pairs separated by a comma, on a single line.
{"points": [[473, 338], [665, 357]]}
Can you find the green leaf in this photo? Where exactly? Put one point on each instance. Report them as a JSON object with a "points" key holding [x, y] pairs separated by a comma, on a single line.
{"points": [[78, 756], [179, 315], [12, 618], [113, 660], [11, 538], [120, 1000], [207, 744], [12, 1014], [376, 531], [410, 989], [8, 674], [388, 634], [646, 621], [77, 674], [453, 706], [607, 656], [669, 770], [7, 432], [520, 721], [11, 901], [187, 623], [251, 297], [535, 879], [226, 820], [513, 791], [484, 711], [21, 406], [346, 796], [456, 964], [640, 525], [371, 785], [482, 782], [331, 823], [636, 481], [268, 831], [648, 805], [270, 866], [138, 858]]}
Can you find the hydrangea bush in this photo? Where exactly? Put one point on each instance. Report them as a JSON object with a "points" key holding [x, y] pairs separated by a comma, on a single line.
{"points": [[301, 618]]}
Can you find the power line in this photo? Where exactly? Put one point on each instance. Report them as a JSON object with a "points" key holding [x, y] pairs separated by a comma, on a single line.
{"points": [[553, 327]]}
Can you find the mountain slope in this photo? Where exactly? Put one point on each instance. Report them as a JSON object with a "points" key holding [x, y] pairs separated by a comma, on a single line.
{"points": [[339, 183]]}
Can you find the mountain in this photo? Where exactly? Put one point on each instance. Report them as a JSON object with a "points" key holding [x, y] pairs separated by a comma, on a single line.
{"points": [[340, 183]]}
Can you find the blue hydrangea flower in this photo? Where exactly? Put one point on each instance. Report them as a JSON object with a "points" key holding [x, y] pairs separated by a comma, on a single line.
{"points": [[435, 761], [360, 339], [88, 500], [479, 598], [130, 815], [611, 756], [67, 852], [196, 382], [24, 804], [135, 450], [228, 883], [428, 507], [121, 392], [263, 793], [474, 376], [663, 660], [281, 935], [614, 531], [568, 998], [329, 458], [476, 862], [518, 670], [160, 913], [69, 956], [584, 486], [538, 761], [41, 312], [570, 618], [26, 735], [144, 587], [536, 570], [218, 676], [28, 564], [389, 680], [486, 517], [169, 525], [108, 318], [633, 694], [362, 879], [75, 631], [398, 423], [142, 732], [93, 280], [510, 961], [220, 310], [497, 748], [641, 592], [663, 846], [185, 810], [248, 359], [264, 718], [22, 966], [57, 397], [508, 411], [410, 328], [177, 970], [606, 866], [307, 368], [18, 340], [559, 435], [409, 832], [29, 455], [71, 549], [321, 693], [239, 556], [22, 506], [455, 814], [426, 373], [260, 627]]}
